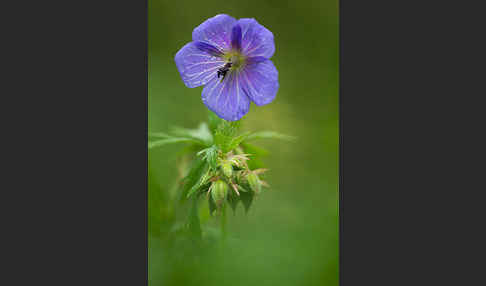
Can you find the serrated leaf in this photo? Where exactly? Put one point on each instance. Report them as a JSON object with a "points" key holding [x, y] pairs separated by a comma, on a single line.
{"points": [[257, 153], [188, 150], [225, 133], [160, 135], [235, 141], [162, 142], [269, 135], [202, 133], [201, 181], [229, 128], [195, 173], [193, 189], [222, 141], [203, 190], [210, 155], [254, 150]]}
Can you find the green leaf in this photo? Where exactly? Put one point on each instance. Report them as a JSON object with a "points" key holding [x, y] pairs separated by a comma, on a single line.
{"points": [[202, 133], [235, 141], [256, 152], [227, 128], [195, 173], [210, 155], [160, 135], [162, 142], [269, 135], [201, 181], [225, 135], [222, 141]]}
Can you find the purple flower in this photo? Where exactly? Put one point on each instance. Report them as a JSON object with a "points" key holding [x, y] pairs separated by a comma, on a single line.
{"points": [[232, 59]]}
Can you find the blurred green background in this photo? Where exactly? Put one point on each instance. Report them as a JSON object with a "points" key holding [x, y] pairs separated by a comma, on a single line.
{"points": [[290, 235]]}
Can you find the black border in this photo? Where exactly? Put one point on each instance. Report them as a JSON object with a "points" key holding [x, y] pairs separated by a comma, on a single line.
{"points": [[408, 125], [81, 147]]}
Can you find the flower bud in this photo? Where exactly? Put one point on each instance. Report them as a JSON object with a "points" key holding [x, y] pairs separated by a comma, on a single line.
{"points": [[219, 191], [254, 182], [227, 168]]}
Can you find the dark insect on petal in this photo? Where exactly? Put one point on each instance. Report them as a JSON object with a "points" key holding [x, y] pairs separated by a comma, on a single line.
{"points": [[195, 66], [208, 48], [231, 58], [236, 37]]}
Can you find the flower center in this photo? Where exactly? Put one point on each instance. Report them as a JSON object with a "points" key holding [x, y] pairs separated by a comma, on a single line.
{"points": [[236, 59]]}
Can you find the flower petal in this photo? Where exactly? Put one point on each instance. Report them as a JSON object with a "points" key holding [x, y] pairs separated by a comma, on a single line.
{"points": [[208, 48], [197, 67], [259, 81], [236, 37], [215, 31], [256, 40], [255, 60], [226, 98]]}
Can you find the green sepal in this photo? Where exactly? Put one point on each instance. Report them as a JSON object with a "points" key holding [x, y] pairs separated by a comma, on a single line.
{"points": [[227, 168], [219, 192], [233, 200], [247, 199], [254, 182]]}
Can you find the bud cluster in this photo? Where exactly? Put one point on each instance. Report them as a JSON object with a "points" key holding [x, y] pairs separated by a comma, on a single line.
{"points": [[216, 165], [228, 179]]}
